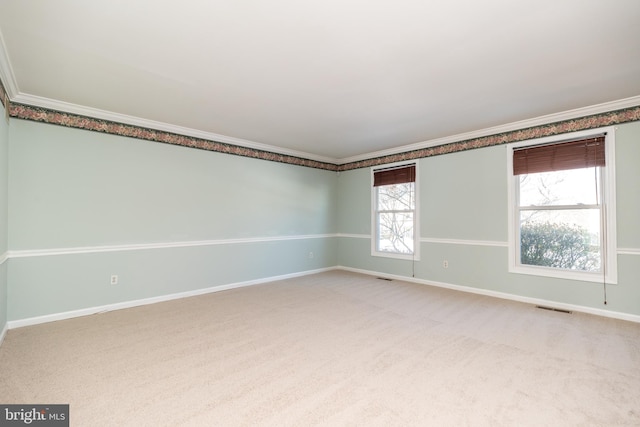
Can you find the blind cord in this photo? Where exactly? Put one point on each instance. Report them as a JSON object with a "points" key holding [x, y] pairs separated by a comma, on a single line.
{"points": [[413, 261], [603, 231], [415, 236], [604, 254]]}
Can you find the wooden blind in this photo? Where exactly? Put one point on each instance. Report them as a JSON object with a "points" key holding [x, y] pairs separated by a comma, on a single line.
{"points": [[398, 175], [584, 153]]}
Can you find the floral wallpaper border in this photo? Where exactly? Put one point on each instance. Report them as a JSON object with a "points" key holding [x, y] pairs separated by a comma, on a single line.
{"points": [[583, 123], [4, 100], [44, 115]]}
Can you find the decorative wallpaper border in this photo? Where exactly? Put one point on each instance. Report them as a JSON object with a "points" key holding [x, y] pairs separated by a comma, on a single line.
{"points": [[44, 115], [584, 123], [4, 98]]}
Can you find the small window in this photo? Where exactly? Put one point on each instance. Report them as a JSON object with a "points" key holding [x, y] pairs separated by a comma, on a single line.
{"points": [[395, 212], [563, 207]]}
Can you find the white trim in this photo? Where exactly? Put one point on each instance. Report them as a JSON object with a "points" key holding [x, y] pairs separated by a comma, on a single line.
{"points": [[492, 243], [354, 236], [519, 125], [464, 242], [52, 104], [11, 86], [628, 251], [165, 245], [168, 245], [415, 256], [6, 71], [4, 333], [503, 295], [37, 101], [608, 211], [609, 187], [152, 300]]}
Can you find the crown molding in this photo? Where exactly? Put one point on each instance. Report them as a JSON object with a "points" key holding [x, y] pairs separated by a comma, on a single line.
{"points": [[30, 107], [7, 78], [66, 107], [495, 130]]}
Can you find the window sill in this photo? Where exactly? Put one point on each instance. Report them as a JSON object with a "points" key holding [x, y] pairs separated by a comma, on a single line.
{"points": [[563, 274], [411, 257]]}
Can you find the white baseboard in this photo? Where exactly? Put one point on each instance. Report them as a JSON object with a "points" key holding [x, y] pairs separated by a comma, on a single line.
{"points": [[502, 295], [135, 303], [4, 333]]}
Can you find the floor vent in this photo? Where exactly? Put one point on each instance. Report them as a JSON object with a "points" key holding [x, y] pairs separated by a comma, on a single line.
{"points": [[553, 309], [384, 278]]}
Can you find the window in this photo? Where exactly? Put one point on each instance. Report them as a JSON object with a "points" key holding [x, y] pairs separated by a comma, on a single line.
{"points": [[395, 212], [562, 208]]}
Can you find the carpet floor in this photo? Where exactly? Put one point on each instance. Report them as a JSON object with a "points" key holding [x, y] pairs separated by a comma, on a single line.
{"points": [[331, 349]]}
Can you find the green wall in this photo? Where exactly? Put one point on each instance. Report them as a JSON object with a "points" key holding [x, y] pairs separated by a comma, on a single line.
{"points": [[79, 188], [71, 188], [79, 202], [628, 186], [463, 195], [4, 186], [463, 219]]}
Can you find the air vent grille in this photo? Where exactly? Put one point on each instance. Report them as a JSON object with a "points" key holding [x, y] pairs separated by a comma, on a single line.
{"points": [[553, 309]]}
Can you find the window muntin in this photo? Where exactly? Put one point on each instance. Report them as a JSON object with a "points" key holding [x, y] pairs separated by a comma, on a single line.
{"points": [[395, 218], [558, 230], [567, 187]]}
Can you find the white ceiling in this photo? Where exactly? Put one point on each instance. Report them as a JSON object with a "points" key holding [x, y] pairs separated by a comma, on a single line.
{"points": [[333, 80]]}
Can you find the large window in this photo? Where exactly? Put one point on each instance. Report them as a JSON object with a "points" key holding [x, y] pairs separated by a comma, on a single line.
{"points": [[395, 212], [563, 207]]}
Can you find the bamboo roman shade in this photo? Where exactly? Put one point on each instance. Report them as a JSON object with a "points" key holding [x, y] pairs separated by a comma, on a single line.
{"points": [[584, 153], [398, 175]]}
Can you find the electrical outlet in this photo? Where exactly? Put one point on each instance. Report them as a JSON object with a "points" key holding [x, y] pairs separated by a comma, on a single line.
{"points": [[114, 279], [445, 264]]}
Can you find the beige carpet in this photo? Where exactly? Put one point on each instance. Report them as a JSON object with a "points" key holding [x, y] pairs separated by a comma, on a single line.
{"points": [[334, 349]]}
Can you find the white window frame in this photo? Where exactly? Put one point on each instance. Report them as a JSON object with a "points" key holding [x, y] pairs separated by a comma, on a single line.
{"points": [[609, 274], [415, 256]]}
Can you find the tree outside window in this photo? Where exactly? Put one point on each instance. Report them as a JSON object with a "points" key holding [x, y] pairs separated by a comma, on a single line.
{"points": [[560, 219], [395, 217], [394, 213], [562, 206]]}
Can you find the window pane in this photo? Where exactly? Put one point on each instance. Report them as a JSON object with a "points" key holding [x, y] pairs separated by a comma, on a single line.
{"points": [[568, 239], [395, 232], [396, 197], [569, 187]]}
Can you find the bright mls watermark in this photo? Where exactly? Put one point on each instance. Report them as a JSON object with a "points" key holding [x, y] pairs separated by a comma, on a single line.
{"points": [[34, 415]]}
